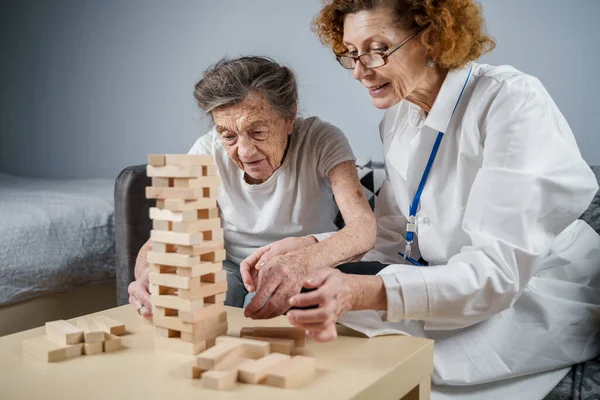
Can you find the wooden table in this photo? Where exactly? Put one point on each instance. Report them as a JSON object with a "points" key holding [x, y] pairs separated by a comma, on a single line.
{"points": [[390, 367]]}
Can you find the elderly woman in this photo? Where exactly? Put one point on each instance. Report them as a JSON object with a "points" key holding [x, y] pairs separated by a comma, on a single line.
{"points": [[484, 184], [279, 177]]}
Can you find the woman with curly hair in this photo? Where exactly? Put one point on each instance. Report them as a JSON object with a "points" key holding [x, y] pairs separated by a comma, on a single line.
{"points": [[479, 246]]}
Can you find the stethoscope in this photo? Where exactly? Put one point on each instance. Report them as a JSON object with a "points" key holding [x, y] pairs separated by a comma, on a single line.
{"points": [[411, 226]]}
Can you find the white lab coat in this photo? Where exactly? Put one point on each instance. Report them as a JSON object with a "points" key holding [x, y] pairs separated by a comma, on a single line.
{"points": [[513, 286]]}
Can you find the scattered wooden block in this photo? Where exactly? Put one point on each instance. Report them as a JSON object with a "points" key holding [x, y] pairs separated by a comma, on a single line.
{"points": [[253, 349], [174, 171], [198, 225], [112, 343], [49, 351], [220, 353], [63, 333], [283, 346], [93, 348], [178, 346], [110, 325], [182, 205], [92, 332], [186, 160], [225, 377], [173, 216], [156, 160], [296, 334], [256, 372], [292, 373]]}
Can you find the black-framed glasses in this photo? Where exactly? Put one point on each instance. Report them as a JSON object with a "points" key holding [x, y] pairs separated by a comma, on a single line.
{"points": [[371, 60]]}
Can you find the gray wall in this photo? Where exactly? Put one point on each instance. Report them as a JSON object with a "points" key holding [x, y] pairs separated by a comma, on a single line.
{"points": [[88, 87]]}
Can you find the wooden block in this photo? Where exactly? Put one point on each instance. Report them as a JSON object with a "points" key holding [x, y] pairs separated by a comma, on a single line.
{"points": [[112, 343], [186, 239], [174, 171], [159, 247], [292, 373], [160, 203], [207, 311], [158, 225], [49, 351], [253, 349], [93, 348], [200, 269], [214, 256], [199, 225], [182, 205], [164, 312], [174, 193], [210, 170], [196, 373], [161, 269], [186, 160], [214, 277], [200, 182], [217, 298], [223, 378], [172, 259], [206, 335], [166, 332], [156, 160], [174, 216], [202, 248], [283, 346], [298, 335], [162, 182], [200, 326], [205, 290], [110, 325], [178, 346], [221, 353], [208, 213], [170, 301], [63, 333], [256, 371], [92, 332]]}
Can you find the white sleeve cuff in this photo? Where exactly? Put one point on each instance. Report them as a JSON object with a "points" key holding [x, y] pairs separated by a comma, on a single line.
{"points": [[406, 290], [322, 236]]}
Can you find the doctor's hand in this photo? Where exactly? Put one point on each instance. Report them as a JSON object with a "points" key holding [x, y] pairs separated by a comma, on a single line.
{"points": [[277, 281], [333, 296], [139, 295], [253, 263]]}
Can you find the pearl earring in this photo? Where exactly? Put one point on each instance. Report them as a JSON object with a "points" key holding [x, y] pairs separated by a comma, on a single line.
{"points": [[430, 62]]}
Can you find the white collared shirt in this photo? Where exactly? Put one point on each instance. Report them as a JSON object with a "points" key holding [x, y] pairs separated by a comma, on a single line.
{"points": [[509, 288]]}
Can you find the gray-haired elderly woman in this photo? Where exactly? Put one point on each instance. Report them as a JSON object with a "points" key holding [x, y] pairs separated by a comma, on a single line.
{"points": [[279, 177]]}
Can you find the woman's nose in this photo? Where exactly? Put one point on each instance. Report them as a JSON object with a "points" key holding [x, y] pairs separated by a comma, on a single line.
{"points": [[360, 70], [246, 149]]}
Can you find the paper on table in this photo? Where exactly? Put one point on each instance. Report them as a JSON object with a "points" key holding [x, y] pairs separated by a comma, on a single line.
{"points": [[371, 324]]}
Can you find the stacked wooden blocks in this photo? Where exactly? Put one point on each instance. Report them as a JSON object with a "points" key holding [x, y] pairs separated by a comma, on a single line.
{"points": [[93, 335], [252, 359], [187, 280]]}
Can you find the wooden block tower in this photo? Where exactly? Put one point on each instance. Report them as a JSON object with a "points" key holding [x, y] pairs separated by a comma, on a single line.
{"points": [[187, 280]]}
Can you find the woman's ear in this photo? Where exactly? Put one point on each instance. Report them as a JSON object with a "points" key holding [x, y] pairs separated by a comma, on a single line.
{"points": [[292, 119]]}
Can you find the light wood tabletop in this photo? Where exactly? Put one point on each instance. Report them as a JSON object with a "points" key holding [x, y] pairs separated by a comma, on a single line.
{"points": [[351, 367]]}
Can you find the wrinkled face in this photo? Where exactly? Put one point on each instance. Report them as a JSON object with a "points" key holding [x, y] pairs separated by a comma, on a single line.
{"points": [[377, 31], [254, 135]]}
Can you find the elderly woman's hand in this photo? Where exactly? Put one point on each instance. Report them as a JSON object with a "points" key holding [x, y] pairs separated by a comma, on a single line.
{"points": [[139, 296], [278, 280], [254, 262], [334, 295]]}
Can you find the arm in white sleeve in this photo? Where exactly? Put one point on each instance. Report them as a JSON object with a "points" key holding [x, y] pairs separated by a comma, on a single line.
{"points": [[532, 184]]}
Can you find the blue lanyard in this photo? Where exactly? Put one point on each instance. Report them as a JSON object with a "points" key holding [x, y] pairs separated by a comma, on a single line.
{"points": [[411, 227]]}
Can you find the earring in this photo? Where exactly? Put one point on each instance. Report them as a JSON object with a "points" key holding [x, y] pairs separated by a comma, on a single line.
{"points": [[430, 62]]}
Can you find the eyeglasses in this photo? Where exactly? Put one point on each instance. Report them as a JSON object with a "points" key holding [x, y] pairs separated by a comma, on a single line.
{"points": [[371, 60]]}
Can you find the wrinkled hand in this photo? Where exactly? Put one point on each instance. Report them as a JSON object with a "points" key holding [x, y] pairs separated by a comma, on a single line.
{"points": [[278, 280], [140, 295], [254, 262], [333, 296]]}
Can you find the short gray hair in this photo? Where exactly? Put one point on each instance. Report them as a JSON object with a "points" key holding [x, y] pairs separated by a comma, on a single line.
{"points": [[230, 81]]}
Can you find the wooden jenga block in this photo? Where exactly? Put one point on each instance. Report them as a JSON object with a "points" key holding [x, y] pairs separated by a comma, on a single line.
{"points": [[206, 335], [216, 299], [205, 290], [202, 269], [164, 312], [292, 373], [162, 182], [178, 346], [159, 225], [283, 346], [210, 192], [296, 334], [159, 247], [209, 321], [217, 255], [209, 170], [207, 311], [161, 269], [256, 371], [63, 333], [199, 225], [204, 181], [202, 248], [215, 277], [110, 325], [174, 193], [253, 349], [172, 259], [156, 160], [92, 332], [224, 378], [174, 216], [170, 301], [208, 213], [160, 203], [186, 160], [182, 205], [166, 332], [221, 353], [49, 351], [93, 348], [186, 239], [174, 171], [112, 343]]}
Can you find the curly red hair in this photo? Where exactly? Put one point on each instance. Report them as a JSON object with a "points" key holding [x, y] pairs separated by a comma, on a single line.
{"points": [[453, 30]]}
